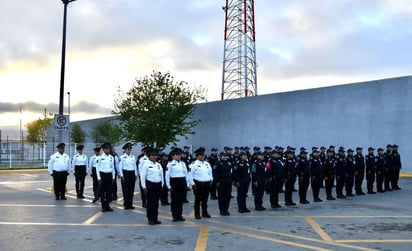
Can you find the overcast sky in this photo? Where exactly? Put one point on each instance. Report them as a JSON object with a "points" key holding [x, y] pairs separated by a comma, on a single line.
{"points": [[300, 44]]}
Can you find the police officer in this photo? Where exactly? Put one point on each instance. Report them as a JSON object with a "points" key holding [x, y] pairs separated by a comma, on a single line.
{"points": [[322, 156], [164, 197], [350, 173], [316, 170], [241, 178], [329, 173], [340, 173], [397, 166], [93, 174], [224, 183], [303, 170], [370, 162], [143, 158], [275, 173], [200, 178], [389, 160], [128, 175], [80, 168], [259, 180], [290, 177], [213, 159], [380, 170], [177, 182], [59, 167], [152, 179], [105, 171], [359, 171], [116, 170]]}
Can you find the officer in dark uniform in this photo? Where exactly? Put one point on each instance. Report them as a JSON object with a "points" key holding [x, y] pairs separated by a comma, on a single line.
{"points": [[116, 169], [360, 171], [340, 173], [290, 177], [275, 173], [350, 173], [164, 197], [380, 171], [397, 166], [92, 165], [189, 156], [224, 183], [316, 170], [259, 180], [236, 154], [329, 173], [303, 170], [322, 156], [213, 159], [389, 160], [241, 179], [370, 162]]}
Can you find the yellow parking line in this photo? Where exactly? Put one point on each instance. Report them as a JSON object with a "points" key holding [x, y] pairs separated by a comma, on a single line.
{"points": [[318, 229], [406, 175], [23, 171], [375, 241], [201, 243], [93, 218]]}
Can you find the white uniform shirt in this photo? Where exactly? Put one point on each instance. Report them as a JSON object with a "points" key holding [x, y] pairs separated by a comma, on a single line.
{"points": [[176, 169], [80, 160], [127, 162], [200, 171], [93, 162], [142, 161], [105, 164], [151, 171], [59, 162]]}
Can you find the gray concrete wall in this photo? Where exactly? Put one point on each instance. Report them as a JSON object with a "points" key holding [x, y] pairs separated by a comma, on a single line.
{"points": [[372, 113]]}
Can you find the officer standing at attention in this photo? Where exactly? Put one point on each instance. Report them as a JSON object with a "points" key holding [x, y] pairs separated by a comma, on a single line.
{"points": [[59, 167], [241, 178], [80, 168], [143, 158], [224, 183], [92, 165], [177, 183], [340, 173], [128, 175], [164, 197], [329, 173], [397, 166], [316, 170], [290, 177], [105, 175], [275, 174], [151, 177], [389, 167], [116, 170], [200, 178], [259, 180], [213, 159], [303, 170], [360, 171], [350, 173], [370, 169], [380, 170]]}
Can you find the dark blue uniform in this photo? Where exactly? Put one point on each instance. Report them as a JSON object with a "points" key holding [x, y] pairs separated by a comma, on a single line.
{"points": [[350, 175], [340, 175], [397, 165], [359, 173], [259, 181], [276, 177], [213, 160], [380, 172], [303, 170], [224, 184], [290, 179], [241, 177], [370, 172], [388, 170], [316, 171], [329, 176]]}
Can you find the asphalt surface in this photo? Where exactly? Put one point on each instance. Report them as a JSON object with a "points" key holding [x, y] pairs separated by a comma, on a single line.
{"points": [[30, 219]]}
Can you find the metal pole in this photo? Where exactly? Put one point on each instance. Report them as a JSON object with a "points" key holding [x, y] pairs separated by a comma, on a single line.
{"points": [[70, 148]]}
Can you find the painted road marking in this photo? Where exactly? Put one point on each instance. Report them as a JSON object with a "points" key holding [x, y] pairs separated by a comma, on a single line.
{"points": [[318, 229], [201, 243], [93, 218]]}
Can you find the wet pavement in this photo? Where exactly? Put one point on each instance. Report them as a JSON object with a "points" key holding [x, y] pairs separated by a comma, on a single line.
{"points": [[30, 219]]}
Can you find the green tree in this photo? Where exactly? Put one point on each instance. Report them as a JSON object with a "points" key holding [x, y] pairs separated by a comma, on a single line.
{"points": [[156, 110], [106, 131], [77, 135], [36, 130]]}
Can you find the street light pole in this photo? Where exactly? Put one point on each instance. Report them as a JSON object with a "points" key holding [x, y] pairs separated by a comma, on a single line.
{"points": [[68, 111], [63, 64]]}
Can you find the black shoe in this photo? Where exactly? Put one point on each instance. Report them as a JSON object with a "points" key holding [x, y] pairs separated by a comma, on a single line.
{"points": [[371, 192], [104, 210], [64, 198], [144, 205], [109, 209], [206, 215], [231, 196], [331, 198], [114, 198], [181, 218], [197, 217], [276, 206], [57, 198], [82, 197], [224, 213], [388, 190], [94, 200], [175, 220], [185, 201], [79, 196], [381, 191], [129, 208], [213, 198], [397, 188], [158, 222], [341, 197], [304, 202], [152, 222], [350, 195], [165, 204], [260, 208], [317, 200], [290, 204], [360, 193]]}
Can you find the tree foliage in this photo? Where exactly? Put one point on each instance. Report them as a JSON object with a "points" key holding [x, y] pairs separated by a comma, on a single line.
{"points": [[156, 110], [106, 131], [36, 130], [77, 135]]}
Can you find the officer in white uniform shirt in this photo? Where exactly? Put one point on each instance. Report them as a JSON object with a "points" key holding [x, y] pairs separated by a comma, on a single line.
{"points": [[59, 167], [128, 175], [151, 176], [177, 182], [200, 178], [142, 159], [80, 169], [105, 175], [92, 166]]}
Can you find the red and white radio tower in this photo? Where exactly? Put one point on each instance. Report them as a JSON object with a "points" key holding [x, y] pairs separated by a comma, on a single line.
{"points": [[239, 55]]}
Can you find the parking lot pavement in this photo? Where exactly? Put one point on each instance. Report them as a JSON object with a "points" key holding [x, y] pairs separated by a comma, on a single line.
{"points": [[30, 219]]}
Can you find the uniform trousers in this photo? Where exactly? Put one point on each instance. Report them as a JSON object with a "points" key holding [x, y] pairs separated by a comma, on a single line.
{"points": [[388, 178], [316, 183], [213, 190], [242, 190], [80, 176], [358, 181], [114, 188], [289, 186], [153, 195], [395, 177], [128, 185], [95, 183], [340, 182], [303, 187], [379, 181], [201, 196], [275, 187], [259, 191], [224, 190], [329, 180], [349, 180], [106, 189], [142, 194], [59, 183], [370, 179], [179, 186], [164, 197]]}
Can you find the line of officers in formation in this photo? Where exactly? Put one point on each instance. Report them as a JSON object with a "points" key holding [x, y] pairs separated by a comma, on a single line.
{"points": [[272, 170]]}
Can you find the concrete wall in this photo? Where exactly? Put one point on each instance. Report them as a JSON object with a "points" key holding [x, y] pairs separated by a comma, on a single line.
{"points": [[372, 113]]}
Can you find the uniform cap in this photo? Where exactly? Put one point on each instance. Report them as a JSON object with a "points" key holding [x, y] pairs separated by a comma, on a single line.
{"points": [[380, 149], [303, 152], [153, 153], [371, 149], [315, 151], [175, 151], [288, 152], [222, 154], [331, 146], [256, 148], [242, 154], [200, 151], [186, 147], [247, 148], [259, 153], [127, 145], [322, 148], [80, 147], [358, 148], [97, 149], [60, 145], [350, 150], [395, 145], [341, 149], [106, 145], [314, 148], [302, 149], [228, 148], [389, 145], [281, 148], [236, 147], [214, 149]]}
